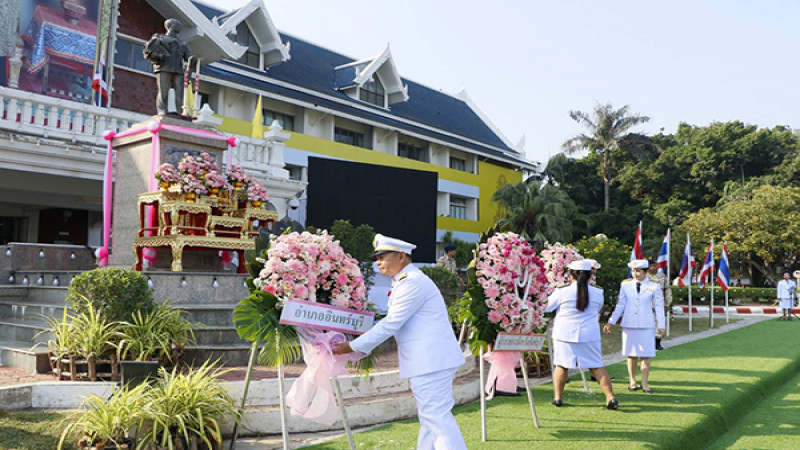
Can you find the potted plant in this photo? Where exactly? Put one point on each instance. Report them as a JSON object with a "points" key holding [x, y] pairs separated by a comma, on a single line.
{"points": [[113, 292], [191, 187], [106, 423], [167, 175], [152, 340], [186, 408], [256, 194], [238, 178], [214, 182]]}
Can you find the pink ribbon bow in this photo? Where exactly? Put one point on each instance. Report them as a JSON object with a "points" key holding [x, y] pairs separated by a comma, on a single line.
{"points": [[311, 396], [501, 370]]}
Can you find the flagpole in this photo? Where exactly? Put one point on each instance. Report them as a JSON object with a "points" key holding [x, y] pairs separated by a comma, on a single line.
{"points": [[725, 249], [690, 269], [669, 280], [711, 274], [690, 303]]}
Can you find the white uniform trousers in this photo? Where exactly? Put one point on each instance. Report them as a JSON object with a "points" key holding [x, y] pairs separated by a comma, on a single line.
{"points": [[437, 427]]}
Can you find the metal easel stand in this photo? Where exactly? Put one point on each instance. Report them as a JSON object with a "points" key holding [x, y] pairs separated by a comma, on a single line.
{"points": [[337, 391]]}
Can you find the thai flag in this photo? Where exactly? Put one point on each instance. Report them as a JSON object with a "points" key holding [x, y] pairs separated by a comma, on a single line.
{"points": [[723, 273], [708, 266], [663, 255], [99, 81], [685, 277], [636, 251]]}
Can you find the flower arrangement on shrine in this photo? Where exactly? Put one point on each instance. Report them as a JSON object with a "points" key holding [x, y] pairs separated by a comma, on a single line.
{"points": [[167, 173], [238, 178], [256, 192]]}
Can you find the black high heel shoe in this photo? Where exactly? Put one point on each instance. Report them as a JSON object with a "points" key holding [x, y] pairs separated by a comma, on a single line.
{"points": [[556, 402], [612, 404]]}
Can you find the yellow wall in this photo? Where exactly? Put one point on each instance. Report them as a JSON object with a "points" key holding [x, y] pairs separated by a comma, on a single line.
{"points": [[490, 176]]}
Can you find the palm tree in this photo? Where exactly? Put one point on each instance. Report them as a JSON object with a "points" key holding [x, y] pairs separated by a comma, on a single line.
{"points": [[536, 212], [607, 129]]}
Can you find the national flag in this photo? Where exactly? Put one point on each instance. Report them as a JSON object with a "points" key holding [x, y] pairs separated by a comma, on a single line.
{"points": [[99, 85], [708, 266], [663, 255], [685, 277], [188, 99], [723, 273], [258, 121], [636, 251]]}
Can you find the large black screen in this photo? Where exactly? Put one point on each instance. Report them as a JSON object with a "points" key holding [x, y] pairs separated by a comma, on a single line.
{"points": [[400, 203]]}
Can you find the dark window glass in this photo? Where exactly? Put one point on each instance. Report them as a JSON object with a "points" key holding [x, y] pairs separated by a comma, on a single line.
{"points": [[372, 92], [349, 137], [129, 54], [286, 121], [458, 207], [412, 151], [246, 39], [458, 164]]}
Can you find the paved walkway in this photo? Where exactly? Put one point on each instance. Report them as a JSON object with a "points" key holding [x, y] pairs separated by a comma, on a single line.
{"points": [[301, 440]]}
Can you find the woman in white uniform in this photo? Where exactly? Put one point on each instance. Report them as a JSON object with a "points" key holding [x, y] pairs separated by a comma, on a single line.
{"points": [[641, 305], [576, 331]]}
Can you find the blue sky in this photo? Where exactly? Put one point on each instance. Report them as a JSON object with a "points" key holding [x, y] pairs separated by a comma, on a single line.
{"points": [[527, 63]]}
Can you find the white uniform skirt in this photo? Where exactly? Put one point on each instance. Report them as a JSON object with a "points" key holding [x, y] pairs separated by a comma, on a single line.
{"points": [[573, 355], [787, 303], [639, 342]]}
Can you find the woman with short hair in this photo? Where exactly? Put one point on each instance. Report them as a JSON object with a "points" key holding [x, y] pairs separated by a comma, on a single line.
{"points": [[576, 331]]}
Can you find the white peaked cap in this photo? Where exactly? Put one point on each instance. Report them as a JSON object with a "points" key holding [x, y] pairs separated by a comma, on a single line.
{"points": [[639, 264], [595, 264], [583, 264], [384, 244]]}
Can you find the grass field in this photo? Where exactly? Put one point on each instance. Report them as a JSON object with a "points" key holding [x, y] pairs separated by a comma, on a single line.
{"points": [[701, 389], [27, 430]]}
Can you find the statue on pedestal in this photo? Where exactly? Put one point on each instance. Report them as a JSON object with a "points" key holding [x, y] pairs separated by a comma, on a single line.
{"points": [[168, 54]]}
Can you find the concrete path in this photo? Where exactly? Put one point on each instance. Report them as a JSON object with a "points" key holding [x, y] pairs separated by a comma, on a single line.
{"points": [[301, 440]]}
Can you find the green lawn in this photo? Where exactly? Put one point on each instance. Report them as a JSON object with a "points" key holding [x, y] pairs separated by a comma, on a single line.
{"points": [[775, 423], [701, 389], [612, 342], [29, 430]]}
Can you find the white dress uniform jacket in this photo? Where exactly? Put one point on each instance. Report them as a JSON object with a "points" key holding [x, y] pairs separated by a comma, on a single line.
{"points": [[572, 325], [417, 318], [637, 309], [786, 289]]}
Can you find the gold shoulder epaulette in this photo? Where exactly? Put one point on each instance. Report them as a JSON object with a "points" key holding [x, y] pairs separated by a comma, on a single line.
{"points": [[402, 276], [627, 279]]}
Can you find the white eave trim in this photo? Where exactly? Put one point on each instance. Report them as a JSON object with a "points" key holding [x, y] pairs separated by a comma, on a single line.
{"points": [[265, 32], [464, 97]]}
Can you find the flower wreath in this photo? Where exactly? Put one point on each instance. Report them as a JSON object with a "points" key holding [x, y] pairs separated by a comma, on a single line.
{"points": [[496, 299], [556, 259]]}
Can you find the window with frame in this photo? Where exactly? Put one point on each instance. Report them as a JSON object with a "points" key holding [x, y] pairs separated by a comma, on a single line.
{"points": [[458, 207], [411, 151], [129, 54], [286, 120], [251, 57], [458, 164], [373, 92], [349, 137]]}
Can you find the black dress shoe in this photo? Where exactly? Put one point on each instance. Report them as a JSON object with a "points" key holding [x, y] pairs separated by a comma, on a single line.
{"points": [[556, 402], [612, 404]]}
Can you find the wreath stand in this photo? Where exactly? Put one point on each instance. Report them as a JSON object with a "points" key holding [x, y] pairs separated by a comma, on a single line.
{"points": [[511, 342]]}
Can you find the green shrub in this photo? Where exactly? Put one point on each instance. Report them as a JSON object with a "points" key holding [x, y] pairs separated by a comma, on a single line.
{"points": [[114, 293], [450, 287], [613, 256], [739, 294], [155, 335]]}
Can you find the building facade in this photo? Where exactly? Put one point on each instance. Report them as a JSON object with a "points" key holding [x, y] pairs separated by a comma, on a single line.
{"points": [[318, 107]]}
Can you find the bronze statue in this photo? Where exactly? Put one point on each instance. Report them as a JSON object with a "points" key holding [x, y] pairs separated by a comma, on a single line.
{"points": [[168, 54]]}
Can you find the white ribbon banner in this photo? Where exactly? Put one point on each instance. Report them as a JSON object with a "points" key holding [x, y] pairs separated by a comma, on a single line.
{"points": [[517, 342], [326, 317]]}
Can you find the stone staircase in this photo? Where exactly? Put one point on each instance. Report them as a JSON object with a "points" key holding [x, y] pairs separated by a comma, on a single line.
{"points": [[39, 290]]}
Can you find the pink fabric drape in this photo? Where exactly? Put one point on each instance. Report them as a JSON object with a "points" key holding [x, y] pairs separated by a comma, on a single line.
{"points": [[501, 370], [311, 396]]}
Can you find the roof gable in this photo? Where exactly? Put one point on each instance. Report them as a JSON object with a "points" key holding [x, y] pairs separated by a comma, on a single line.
{"points": [[260, 23], [359, 72]]}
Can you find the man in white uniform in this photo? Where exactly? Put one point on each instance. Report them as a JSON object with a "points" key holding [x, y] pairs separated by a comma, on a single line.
{"points": [[427, 349], [786, 292]]}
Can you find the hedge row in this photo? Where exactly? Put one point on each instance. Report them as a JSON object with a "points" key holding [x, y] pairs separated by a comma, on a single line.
{"points": [[738, 294]]}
